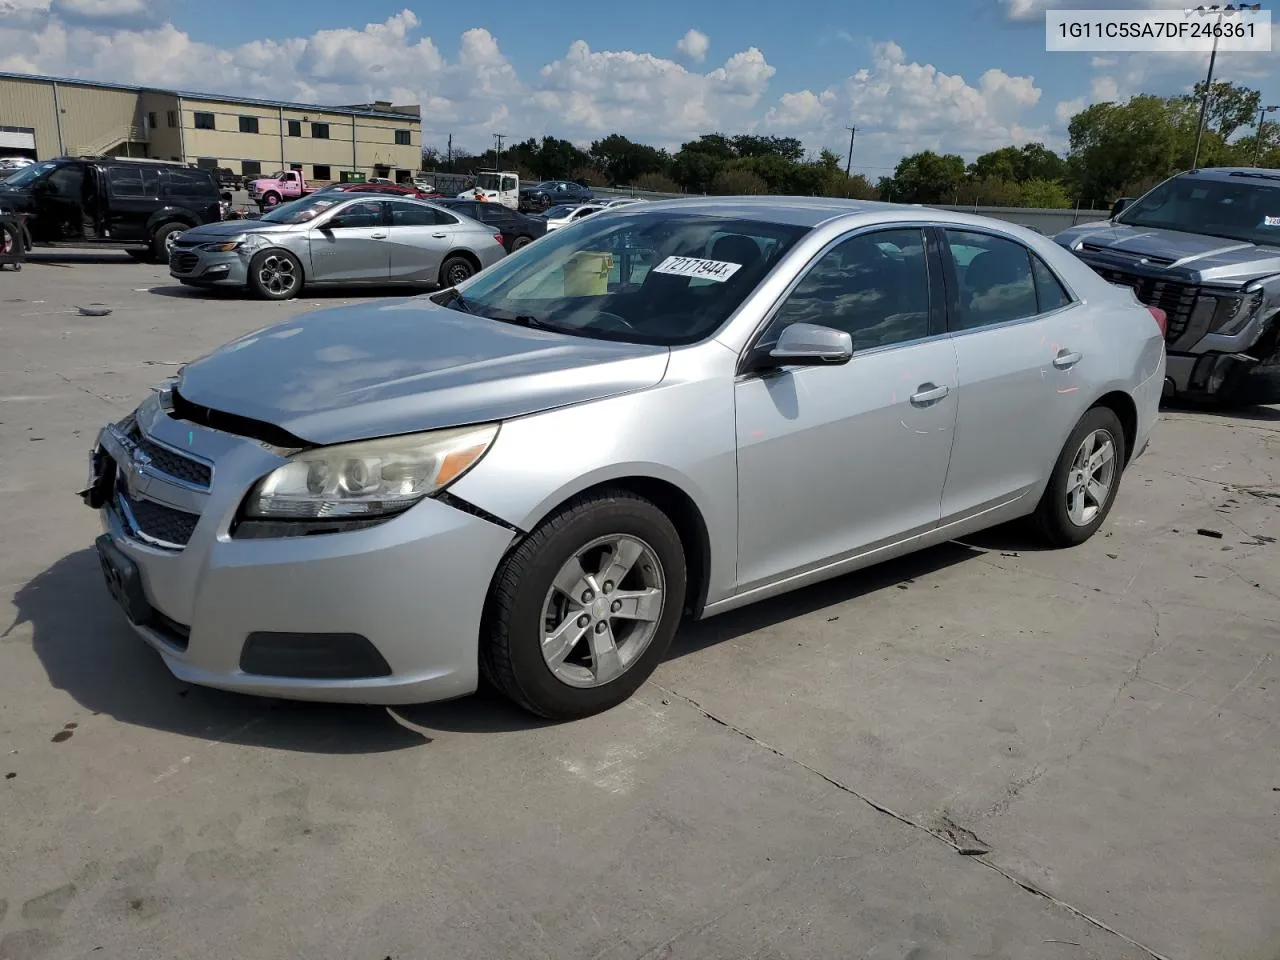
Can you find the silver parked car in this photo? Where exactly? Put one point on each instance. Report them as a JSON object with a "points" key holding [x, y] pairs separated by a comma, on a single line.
{"points": [[336, 238], [671, 409]]}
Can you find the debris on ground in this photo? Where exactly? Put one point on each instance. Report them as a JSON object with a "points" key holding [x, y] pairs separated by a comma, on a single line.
{"points": [[964, 840], [94, 311], [1206, 532]]}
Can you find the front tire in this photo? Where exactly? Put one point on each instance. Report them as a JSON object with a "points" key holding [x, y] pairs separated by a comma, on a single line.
{"points": [[583, 610], [275, 275], [162, 240], [1084, 482]]}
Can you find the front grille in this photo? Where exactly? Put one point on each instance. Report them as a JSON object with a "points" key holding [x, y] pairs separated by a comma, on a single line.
{"points": [[170, 462], [158, 521], [1176, 299], [182, 262]]}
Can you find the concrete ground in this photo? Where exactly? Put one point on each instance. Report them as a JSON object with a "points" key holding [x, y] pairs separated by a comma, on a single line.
{"points": [[1095, 728]]}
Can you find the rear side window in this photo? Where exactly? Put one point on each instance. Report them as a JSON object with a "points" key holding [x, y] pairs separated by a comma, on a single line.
{"points": [[1049, 290], [188, 183], [134, 182], [413, 215], [994, 278]]}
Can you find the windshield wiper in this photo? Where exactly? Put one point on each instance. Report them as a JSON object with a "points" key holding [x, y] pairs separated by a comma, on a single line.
{"points": [[522, 320], [454, 299]]}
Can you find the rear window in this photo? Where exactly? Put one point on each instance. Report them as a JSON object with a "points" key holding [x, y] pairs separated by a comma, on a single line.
{"points": [[189, 183]]}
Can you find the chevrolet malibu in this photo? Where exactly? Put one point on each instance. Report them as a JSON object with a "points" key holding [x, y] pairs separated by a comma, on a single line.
{"points": [[666, 410]]}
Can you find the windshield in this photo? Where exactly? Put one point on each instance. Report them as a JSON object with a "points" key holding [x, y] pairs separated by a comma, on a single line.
{"points": [[488, 181], [1243, 208], [300, 211], [26, 175], [658, 278]]}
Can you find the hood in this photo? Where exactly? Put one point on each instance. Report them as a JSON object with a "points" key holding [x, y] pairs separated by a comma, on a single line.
{"points": [[373, 370], [232, 228], [1196, 257]]}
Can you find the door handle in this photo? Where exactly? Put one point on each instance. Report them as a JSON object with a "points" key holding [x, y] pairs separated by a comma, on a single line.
{"points": [[440, 236], [1066, 359], [377, 236], [928, 393]]}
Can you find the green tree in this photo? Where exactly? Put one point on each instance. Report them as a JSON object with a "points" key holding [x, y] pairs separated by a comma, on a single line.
{"points": [[1230, 106], [738, 181], [749, 145], [1046, 194], [657, 182], [1118, 144], [926, 177], [1002, 164], [1038, 162], [624, 160]]}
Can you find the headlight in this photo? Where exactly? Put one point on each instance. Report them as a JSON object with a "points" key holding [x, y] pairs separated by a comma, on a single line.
{"points": [[368, 479], [1234, 313], [223, 246]]}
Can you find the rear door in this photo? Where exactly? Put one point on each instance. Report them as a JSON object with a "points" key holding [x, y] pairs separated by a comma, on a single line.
{"points": [[1022, 351], [131, 195], [351, 244], [421, 235]]}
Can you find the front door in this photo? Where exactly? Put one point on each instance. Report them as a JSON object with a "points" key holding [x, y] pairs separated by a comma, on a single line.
{"points": [[1022, 352], [351, 245], [833, 461], [420, 237], [59, 203]]}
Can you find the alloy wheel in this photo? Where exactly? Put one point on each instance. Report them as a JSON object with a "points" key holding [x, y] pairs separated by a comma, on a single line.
{"points": [[277, 274], [602, 611], [1092, 474]]}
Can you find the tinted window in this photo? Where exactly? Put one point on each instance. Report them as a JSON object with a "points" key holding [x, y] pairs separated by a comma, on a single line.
{"points": [[248, 124], [402, 138], [188, 183], [251, 168], [66, 181], [994, 276], [367, 213], [204, 121], [415, 215], [1049, 290], [320, 131], [295, 128], [491, 213], [873, 286], [134, 181]]}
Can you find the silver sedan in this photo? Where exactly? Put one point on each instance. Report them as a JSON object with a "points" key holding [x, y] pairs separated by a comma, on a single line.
{"points": [[663, 411], [336, 238]]}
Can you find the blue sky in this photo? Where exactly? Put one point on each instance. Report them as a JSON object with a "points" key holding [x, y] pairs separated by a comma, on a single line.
{"points": [[962, 76]]}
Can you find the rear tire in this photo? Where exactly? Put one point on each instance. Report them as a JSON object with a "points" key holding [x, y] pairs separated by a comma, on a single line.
{"points": [[456, 269], [520, 242], [275, 275], [161, 239], [1084, 482], [563, 638]]}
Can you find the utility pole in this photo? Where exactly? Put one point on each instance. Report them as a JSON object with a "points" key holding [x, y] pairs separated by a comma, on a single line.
{"points": [[1213, 58], [849, 163], [449, 154], [1257, 137], [497, 154]]}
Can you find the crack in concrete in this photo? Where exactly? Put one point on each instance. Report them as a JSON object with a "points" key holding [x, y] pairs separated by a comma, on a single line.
{"points": [[916, 824]]}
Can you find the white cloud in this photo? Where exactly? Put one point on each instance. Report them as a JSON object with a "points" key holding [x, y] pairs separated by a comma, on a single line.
{"points": [[694, 45], [102, 9], [1067, 109], [1104, 89]]}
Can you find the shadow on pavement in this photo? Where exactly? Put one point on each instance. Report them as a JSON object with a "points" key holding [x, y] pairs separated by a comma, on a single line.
{"points": [[184, 292], [88, 650], [71, 258]]}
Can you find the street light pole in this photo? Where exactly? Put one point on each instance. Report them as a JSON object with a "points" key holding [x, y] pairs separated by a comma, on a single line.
{"points": [[849, 163], [1257, 137], [1213, 58]]}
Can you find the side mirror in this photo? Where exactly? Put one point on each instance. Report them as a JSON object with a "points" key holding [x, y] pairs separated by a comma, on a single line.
{"points": [[1118, 207], [809, 345]]}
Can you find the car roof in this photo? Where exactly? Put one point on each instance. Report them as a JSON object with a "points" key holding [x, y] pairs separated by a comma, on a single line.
{"points": [[1262, 175]]}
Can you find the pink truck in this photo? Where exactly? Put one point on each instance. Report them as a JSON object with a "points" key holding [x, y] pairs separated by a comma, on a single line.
{"points": [[279, 187]]}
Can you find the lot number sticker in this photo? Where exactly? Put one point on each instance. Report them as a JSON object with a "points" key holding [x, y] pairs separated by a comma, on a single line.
{"points": [[717, 270]]}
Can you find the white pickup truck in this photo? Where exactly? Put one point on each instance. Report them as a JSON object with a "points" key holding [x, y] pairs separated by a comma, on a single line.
{"points": [[495, 186]]}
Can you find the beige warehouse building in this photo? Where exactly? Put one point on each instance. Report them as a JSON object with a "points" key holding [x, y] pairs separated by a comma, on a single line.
{"points": [[44, 117]]}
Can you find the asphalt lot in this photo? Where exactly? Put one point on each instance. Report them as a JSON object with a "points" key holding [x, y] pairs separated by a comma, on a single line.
{"points": [[794, 782]]}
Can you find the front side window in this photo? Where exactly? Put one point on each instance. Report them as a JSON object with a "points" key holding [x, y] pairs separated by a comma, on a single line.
{"points": [[204, 121], [660, 278], [873, 286], [488, 181], [1245, 208], [994, 280]]}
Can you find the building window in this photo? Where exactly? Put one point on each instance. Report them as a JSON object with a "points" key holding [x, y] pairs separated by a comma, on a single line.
{"points": [[172, 118], [207, 163], [403, 138], [295, 128], [151, 120], [251, 168], [248, 124], [204, 121], [320, 171], [320, 131]]}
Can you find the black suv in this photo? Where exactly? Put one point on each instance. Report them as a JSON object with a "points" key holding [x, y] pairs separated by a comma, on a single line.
{"points": [[549, 193], [517, 229], [135, 205]]}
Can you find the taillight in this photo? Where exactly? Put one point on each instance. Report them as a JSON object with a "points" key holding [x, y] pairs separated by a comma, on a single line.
{"points": [[1161, 318], [498, 237]]}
